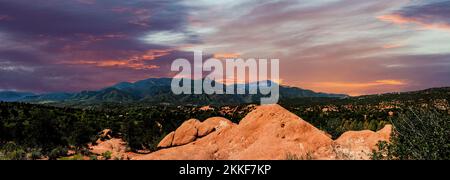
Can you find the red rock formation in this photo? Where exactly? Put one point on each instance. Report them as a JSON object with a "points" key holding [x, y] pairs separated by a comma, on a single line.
{"points": [[268, 133], [359, 144], [213, 124], [167, 141], [116, 146], [192, 129], [186, 133]]}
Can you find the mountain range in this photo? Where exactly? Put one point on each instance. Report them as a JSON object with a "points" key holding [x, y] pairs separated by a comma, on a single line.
{"points": [[10, 96], [154, 90]]}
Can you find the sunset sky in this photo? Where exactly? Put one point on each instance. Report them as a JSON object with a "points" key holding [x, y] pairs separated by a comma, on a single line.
{"points": [[340, 46]]}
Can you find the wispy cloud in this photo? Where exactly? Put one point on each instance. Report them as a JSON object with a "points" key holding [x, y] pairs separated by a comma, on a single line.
{"points": [[428, 15], [346, 46]]}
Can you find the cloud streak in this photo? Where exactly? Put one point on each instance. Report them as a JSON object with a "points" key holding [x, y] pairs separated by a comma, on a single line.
{"points": [[430, 15]]}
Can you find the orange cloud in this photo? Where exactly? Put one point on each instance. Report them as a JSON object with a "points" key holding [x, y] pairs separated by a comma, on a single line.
{"points": [[154, 54], [389, 82], [116, 63], [356, 88], [393, 46], [134, 61], [361, 85], [399, 19], [394, 18]]}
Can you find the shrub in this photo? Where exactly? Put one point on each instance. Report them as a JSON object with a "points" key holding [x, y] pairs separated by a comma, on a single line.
{"points": [[11, 151], [17, 155], [77, 157], [57, 152], [35, 154], [107, 155], [418, 135]]}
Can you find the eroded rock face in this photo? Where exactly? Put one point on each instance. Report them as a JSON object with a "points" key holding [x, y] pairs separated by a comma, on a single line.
{"points": [[167, 141], [186, 133], [116, 146], [272, 132], [269, 132], [386, 132], [105, 134], [213, 124], [192, 129], [358, 145]]}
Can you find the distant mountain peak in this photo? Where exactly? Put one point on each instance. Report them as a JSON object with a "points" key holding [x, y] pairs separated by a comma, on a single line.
{"points": [[158, 90]]}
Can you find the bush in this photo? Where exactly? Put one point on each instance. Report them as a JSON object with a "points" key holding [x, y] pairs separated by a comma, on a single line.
{"points": [[11, 151], [107, 155], [57, 152], [418, 135], [9, 147], [35, 154], [17, 155], [93, 158]]}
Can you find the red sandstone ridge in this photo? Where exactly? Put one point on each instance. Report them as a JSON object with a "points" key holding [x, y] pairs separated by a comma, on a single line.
{"points": [[359, 144], [192, 129], [269, 132]]}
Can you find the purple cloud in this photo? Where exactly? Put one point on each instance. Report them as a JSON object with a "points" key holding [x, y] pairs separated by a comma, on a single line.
{"points": [[431, 15], [72, 45], [44, 41]]}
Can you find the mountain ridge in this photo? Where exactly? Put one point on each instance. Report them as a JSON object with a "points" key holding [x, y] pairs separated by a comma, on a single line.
{"points": [[158, 90], [11, 96]]}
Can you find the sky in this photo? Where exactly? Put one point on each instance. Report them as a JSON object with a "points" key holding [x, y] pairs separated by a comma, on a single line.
{"points": [[338, 46]]}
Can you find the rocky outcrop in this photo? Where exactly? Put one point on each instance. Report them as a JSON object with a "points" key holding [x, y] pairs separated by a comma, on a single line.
{"points": [[269, 132], [359, 144], [192, 129], [213, 124], [167, 141], [186, 133], [105, 134], [108, 144]]}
